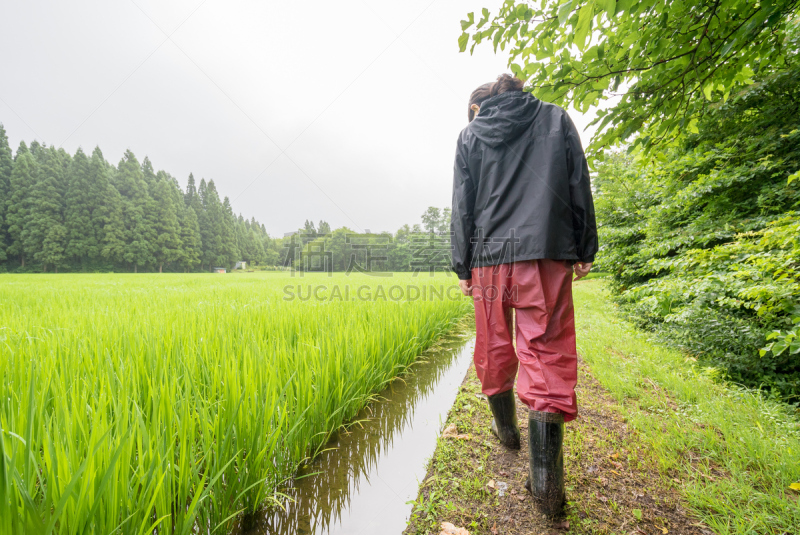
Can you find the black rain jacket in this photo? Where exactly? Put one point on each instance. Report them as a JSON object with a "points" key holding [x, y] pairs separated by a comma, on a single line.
{"points": [[521, 187]]}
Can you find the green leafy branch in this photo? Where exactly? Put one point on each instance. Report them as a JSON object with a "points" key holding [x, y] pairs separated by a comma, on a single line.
{"points": [[665, 62]]}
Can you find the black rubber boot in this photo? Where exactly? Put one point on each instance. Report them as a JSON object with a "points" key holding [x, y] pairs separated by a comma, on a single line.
{"points": [[504, 424], [546, 459]]}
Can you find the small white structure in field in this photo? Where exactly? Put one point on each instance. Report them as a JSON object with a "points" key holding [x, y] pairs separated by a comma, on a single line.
{"points": [[240, 265], [219, 270]]}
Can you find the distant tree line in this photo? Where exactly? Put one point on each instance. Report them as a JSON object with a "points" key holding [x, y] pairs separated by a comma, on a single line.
{"points": [[421, 247], [80, 213], [62, 212]]}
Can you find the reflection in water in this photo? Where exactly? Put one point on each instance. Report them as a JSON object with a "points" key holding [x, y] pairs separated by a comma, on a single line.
{"points": [[368, 473]]}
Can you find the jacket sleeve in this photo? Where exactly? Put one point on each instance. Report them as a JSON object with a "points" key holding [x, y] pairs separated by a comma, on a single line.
{"points": [[580, 192], [462, 218]]}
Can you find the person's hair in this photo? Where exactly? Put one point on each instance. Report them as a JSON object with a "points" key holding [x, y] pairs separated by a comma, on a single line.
{"points": [[477, 97], [504, 83]]}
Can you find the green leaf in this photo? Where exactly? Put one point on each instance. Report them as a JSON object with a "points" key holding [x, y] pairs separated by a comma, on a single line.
{"points": [[611, 8], [727, 48], [793, 177], [563, 12], [707, 91], [484, 18], [584, 24], [462, 42], [497, 36], [624, 5], [469, 22]]}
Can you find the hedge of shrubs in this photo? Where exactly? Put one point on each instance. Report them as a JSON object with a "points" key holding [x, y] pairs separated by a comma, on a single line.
{"points": [[703, 240]]}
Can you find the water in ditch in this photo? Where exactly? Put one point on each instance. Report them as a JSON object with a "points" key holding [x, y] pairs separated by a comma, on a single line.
{"points": [[362, 482]]}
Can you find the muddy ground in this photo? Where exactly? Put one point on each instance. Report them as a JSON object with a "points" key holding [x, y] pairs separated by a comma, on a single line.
{"points": [[613, 484]]}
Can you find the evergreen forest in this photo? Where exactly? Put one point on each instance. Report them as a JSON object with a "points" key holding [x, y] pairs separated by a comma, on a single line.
{"points": [[79, 213]]}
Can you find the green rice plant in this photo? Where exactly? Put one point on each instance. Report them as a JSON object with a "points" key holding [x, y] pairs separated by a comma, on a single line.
{"points": [[173, 403]]}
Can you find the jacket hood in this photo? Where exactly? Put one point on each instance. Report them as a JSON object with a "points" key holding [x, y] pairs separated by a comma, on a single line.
{"points": [[505, 117]]}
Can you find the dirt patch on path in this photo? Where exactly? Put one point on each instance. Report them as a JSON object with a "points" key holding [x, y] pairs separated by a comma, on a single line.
{"points": [[613, 482]]}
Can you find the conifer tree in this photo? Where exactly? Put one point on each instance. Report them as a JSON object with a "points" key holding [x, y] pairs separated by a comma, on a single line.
{"points": [[208, 232], [22, 179], [99, 198], [151, 179], [229, 246], [148, 173], [131, 185], [6, 166], [54, 250], [193, 200], [251, 249], [114, 233], [190, 197], [259, 255], [214, 228], [190, 237], [82, 243], [168, 243], [240, 232], [45, 236], [36, 149]]}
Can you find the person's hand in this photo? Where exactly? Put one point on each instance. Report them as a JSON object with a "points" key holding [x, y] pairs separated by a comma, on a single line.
{"points": [[581, 269], [466, 286]]}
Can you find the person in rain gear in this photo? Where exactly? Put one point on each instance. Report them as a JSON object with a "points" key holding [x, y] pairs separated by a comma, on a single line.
{"points": [[522, 223]]}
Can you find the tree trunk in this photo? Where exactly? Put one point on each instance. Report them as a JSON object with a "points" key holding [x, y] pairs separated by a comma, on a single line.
{"points": [[56, 269], [22, 260], [136, 268], [159, 267]]}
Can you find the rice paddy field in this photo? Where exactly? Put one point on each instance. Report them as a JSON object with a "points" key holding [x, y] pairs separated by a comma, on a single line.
{"points": [[173, 403]]}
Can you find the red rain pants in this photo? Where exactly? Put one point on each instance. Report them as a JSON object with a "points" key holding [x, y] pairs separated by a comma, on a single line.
{"points": [[541, 293]]}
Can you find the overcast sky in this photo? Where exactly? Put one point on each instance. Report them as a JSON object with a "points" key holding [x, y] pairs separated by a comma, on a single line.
{"points": [[343, 111]]}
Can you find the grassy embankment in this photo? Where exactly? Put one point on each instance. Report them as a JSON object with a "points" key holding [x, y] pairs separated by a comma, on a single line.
{"points": [[662, 447]]}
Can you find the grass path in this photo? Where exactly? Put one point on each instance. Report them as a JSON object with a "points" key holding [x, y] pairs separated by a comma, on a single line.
{"points": [[661, 447]]}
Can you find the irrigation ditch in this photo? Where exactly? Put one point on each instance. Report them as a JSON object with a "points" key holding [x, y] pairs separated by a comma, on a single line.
{"points": [[367, 474]]}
